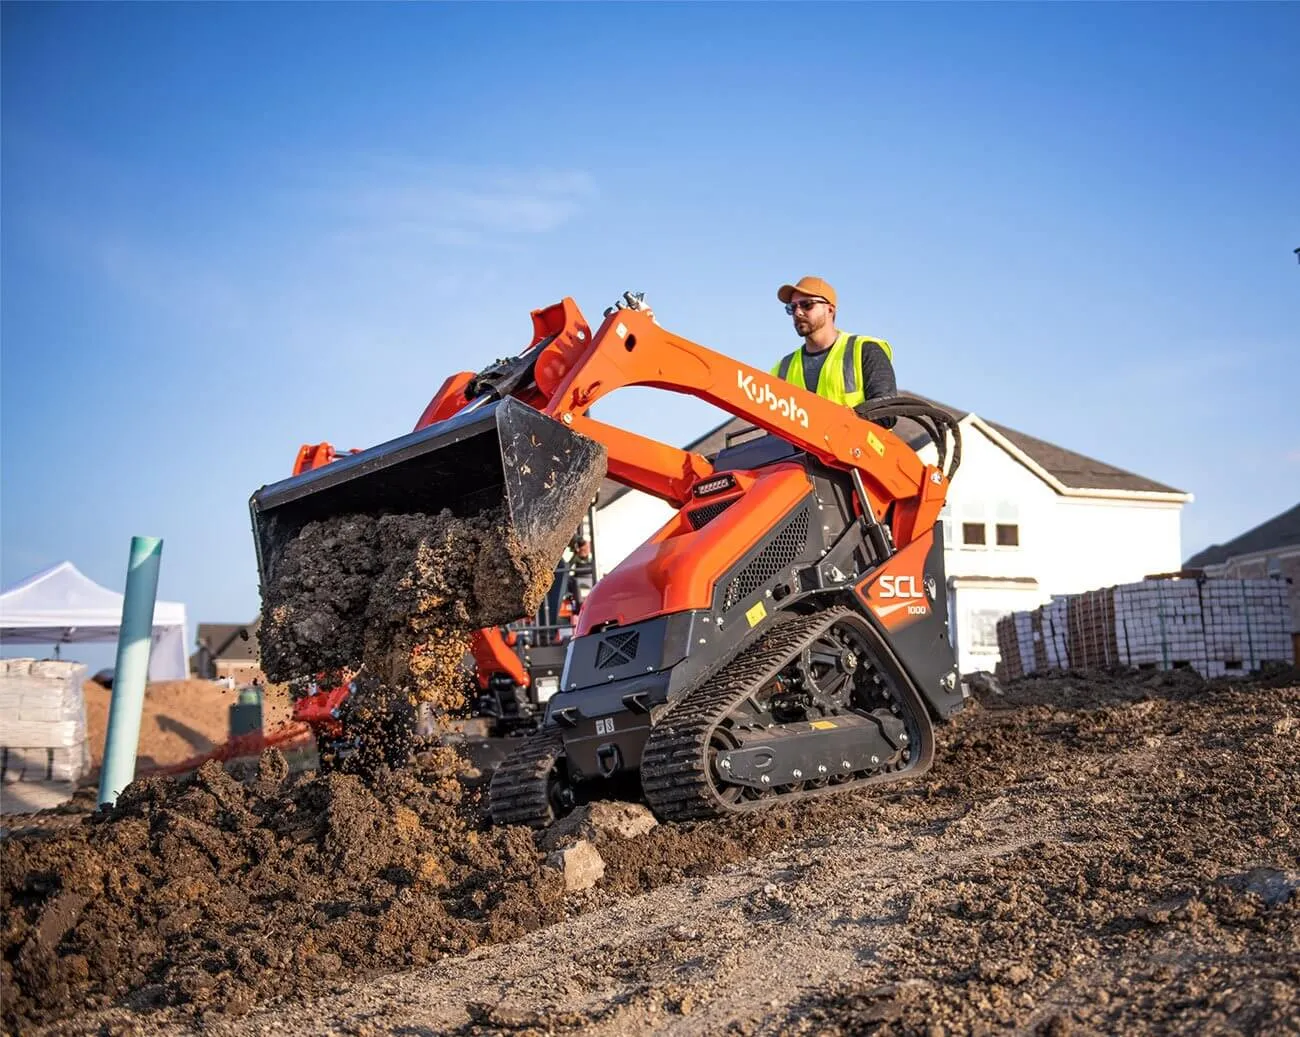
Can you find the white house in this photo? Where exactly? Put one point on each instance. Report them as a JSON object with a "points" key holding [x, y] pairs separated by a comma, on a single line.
{"points": [[1025, 520]]}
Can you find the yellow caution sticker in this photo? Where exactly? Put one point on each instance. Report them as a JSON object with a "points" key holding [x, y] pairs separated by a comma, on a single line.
{"points": [[874, 442], [821, 725], [756, 614]]}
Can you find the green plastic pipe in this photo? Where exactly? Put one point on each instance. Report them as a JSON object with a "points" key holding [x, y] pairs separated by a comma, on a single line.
{"points": [[134, 641]]}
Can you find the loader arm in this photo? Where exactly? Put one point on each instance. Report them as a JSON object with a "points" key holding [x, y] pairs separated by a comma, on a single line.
{"points": [[518, 437], [630, 349], [562, 339]]}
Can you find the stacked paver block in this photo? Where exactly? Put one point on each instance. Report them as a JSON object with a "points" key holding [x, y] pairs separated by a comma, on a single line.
{"points": [[1054, 622], [42, 720], [1218, 627], [1159, 624], [1036, 620], [1023, 628], [1090, 638], [1012, 663], [1247, 625]]}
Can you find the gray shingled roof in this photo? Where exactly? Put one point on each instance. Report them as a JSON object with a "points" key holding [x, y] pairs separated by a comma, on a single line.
{"points": [[1079, 471], [1075, 470], [1280, 531]]}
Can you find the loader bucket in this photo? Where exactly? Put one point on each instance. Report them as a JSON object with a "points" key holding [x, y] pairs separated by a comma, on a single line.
{"points": [[502, 454]]}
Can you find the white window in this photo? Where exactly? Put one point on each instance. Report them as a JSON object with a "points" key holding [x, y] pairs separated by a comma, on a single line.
{"points": [[945, 520]]}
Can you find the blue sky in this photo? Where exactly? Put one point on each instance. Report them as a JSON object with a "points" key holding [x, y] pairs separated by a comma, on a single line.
{"points": [[232, 229]]}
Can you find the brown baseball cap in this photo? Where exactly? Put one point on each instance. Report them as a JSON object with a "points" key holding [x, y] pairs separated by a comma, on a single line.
{"points": [[809, 286]]}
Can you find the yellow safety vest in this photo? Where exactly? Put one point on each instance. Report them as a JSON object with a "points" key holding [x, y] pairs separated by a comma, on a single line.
{"points": [[840, 378]]}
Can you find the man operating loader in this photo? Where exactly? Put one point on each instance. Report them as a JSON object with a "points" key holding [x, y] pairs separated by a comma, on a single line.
{"points": [[843, 368]]}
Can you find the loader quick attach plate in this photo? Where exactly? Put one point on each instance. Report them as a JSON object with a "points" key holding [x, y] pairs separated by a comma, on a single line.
{"points": [[499, 455]]}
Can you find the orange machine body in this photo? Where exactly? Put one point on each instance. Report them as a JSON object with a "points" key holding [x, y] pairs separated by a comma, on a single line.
{"points": [[677, 569]]}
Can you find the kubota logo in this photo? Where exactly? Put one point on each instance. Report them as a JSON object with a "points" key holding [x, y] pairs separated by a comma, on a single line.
{"points": [[764, 396]]}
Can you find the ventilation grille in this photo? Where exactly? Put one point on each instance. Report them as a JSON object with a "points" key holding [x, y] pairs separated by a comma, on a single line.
{"points": [[617, 649], [701, 517], [779, 554]]}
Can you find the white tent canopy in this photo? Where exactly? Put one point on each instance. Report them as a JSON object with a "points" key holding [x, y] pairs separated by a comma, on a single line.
{"points": [[64, 606]]}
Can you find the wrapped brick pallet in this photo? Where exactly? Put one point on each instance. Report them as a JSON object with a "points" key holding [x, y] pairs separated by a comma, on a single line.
{"points": [[1013, 663], [1159, 623], [1247, 625], [1054, 621], [43, 721], [1218, 627], [1090, 638]]}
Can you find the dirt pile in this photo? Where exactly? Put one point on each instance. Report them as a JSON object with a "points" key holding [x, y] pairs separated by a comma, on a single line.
{"points": [[214, 894], [207, 891], [1170, 905]]}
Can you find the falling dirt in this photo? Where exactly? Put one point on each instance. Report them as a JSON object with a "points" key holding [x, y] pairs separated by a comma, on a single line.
{"points": [[391, 603], [399, 594], [1090, 854]]}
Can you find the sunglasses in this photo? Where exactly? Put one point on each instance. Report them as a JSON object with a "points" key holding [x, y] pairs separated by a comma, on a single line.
{"points": [[800, 305]]}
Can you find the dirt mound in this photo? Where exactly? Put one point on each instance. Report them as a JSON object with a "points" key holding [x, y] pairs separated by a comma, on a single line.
{"points": [[208, 891], [1175, 889]]}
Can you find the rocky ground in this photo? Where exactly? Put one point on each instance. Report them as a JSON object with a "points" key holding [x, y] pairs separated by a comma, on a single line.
{"points": [[1090, 854]]}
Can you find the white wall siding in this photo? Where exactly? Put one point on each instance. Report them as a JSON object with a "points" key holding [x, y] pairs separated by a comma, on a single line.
{"points": [[1097, 543], [974, 608], [990, 489]]}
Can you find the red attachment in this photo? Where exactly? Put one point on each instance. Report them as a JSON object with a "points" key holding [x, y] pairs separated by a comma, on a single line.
{"points": [[317, 710], [316, 455], [492, 654]]}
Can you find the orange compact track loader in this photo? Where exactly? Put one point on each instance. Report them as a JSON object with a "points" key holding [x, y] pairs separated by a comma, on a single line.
{"points": [[784, 635]]}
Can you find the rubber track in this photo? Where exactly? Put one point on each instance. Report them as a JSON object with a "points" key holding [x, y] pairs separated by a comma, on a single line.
{"points": [[673, 764], [518, 792]]}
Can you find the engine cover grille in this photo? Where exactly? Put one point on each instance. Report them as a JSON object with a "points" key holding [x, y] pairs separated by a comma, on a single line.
{"points": [[701, 517], [780, 553]]}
